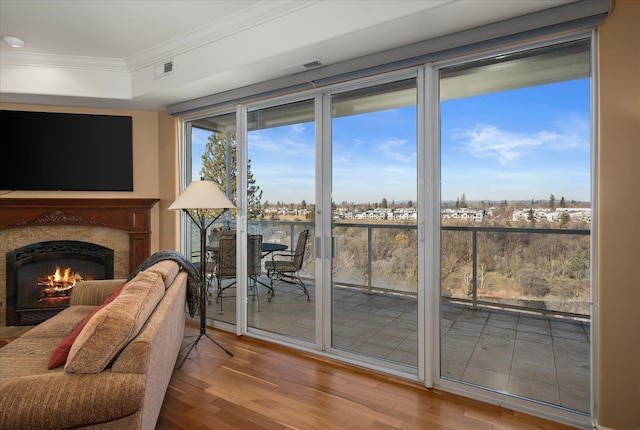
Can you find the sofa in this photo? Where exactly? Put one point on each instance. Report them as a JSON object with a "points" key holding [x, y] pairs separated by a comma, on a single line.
{"points": [[115, 373]]}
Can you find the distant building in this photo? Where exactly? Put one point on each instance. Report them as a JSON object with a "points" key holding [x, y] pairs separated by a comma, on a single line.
{"points": [[548, 215], [466, 214]]}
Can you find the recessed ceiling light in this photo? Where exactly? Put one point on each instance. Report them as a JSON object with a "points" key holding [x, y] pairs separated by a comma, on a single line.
{"points": [[14, 42]]}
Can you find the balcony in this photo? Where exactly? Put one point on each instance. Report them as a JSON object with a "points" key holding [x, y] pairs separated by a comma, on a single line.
{"points": [[521, 345]]}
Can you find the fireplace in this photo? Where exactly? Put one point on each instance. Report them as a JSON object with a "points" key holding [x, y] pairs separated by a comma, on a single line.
{"points": [[121, 224], [41, 276]]}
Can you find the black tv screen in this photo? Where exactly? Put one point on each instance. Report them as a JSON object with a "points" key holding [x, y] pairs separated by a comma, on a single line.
{"points": [[44, 151]]}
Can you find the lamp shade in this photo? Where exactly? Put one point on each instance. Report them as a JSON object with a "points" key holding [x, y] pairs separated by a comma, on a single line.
{"points": [[202, 195]]}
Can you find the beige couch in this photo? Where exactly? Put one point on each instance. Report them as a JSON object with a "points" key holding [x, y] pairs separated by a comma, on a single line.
{"points": [[118, 368]]}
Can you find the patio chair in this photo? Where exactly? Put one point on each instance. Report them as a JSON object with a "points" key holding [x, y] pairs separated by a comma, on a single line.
{"points": [[213, 250], [287, 269], [226, 266], [210, 269]]}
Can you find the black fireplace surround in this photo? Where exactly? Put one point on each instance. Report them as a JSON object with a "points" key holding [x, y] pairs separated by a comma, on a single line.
{"points": [[32, 294]]}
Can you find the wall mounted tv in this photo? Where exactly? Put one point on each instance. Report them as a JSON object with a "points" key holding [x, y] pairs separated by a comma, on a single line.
{"points": [[43, 151]]}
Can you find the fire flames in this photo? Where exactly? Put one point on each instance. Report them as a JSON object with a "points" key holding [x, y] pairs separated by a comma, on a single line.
{"points": [[60, 282]]}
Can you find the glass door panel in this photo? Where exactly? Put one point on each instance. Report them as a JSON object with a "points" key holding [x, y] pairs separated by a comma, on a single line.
{"points": [[281, 179], [374, 223], [213, 147], [515, 224]]}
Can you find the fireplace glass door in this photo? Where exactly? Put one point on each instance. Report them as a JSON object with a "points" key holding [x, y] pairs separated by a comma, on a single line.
{"points": [[41, 277]]}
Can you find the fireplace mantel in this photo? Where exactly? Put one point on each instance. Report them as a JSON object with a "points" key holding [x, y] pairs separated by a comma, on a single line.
{"points": [[130, 215]]}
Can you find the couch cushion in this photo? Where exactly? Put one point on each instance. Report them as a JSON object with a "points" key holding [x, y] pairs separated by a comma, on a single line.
{"points": [[29, 354], [60, 354], [168, 269], [26, 356], [62, 323], [115, 325]]}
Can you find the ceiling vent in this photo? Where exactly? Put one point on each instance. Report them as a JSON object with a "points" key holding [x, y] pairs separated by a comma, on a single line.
{"points": [[312, 64], [164, 69]]}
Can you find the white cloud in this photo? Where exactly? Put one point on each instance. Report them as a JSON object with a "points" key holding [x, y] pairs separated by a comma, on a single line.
{"points": [[395, 149], [291, 141], [490, 141]]}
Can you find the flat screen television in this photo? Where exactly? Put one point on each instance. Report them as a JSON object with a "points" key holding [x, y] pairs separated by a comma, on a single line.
{"points": [[43, 151]]}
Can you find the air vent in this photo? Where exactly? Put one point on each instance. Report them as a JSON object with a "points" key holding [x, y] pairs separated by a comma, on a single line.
{"points": [[312, 64], [163, 69]]}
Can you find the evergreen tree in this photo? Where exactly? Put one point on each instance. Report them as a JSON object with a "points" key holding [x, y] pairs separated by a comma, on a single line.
{"points": [[463, 201], [563, 204], [552, 202], [531, 217], [384, 203], [214, 168], [311, 216]]}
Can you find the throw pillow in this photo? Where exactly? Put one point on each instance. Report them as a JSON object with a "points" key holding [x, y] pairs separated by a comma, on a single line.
{"points": [[60, 354], [109, 331]]}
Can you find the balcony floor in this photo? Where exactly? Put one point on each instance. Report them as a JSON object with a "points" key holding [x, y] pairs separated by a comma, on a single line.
{"points": [[537, 357]]}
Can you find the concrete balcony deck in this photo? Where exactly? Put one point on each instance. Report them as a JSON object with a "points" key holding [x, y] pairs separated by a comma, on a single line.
{"points": [[543, 358]]}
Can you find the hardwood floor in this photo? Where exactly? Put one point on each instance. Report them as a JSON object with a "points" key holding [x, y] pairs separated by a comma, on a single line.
{"points": [[266, 386]]}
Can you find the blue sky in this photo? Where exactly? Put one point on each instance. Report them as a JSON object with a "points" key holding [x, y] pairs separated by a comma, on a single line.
{"points": [[516, 145]]}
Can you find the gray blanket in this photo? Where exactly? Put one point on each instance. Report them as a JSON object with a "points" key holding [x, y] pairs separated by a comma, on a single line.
{"points": [[193, 275]]}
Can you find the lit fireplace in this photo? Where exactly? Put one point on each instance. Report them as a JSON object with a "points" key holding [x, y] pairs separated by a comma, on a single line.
{"points": [[58, 285], [41, 276]]}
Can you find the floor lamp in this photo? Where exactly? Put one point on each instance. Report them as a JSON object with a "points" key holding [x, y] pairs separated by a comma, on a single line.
{"points": [[202, 195]]}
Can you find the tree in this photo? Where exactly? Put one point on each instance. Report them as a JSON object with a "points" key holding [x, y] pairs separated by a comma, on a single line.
{"points": [[463, 201], [311, 215], [531, 217], [578, 264], [552, 202], [384, 203], [533, 283], [563, 204], [216, 168]]}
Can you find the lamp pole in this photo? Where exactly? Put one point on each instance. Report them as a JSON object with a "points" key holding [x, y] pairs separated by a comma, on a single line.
{"points": [[202, 195], [203, 284]]}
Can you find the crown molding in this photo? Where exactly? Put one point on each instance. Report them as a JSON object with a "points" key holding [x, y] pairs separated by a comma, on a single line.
{"points": [[240, 21], [30, 59]]}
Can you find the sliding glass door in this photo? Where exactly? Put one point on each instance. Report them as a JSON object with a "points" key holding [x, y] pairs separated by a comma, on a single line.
{"points": [[433, 222], [374, 277], [515, 224], [357, 295], [281, 179], [213, 146]]}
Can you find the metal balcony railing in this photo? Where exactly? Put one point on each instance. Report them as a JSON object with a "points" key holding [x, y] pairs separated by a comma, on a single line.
{"points": [[474, 230], [287, 231]]}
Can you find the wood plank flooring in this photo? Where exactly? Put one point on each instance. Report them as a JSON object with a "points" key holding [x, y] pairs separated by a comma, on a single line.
{"points": [[266, 386]]}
